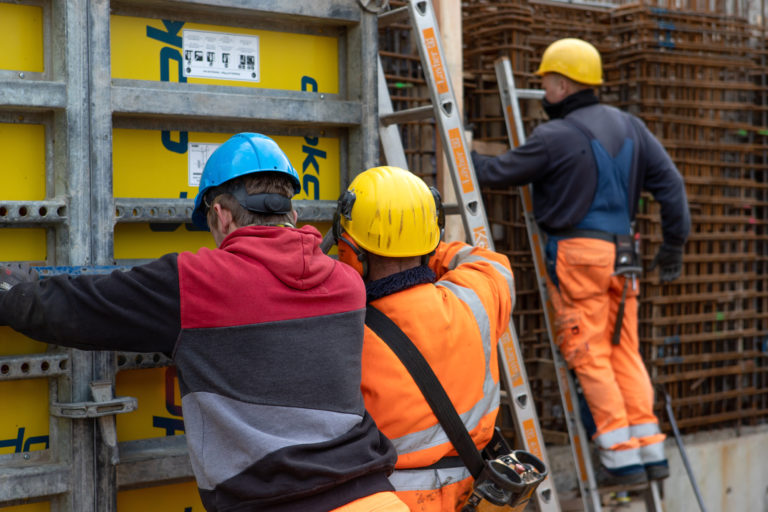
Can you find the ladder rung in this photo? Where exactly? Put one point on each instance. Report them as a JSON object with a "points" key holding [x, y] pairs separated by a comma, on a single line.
{"points": [[411, 114], [399, 15], [530, 94]]}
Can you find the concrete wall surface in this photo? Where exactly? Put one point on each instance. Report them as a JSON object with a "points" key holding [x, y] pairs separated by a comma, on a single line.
{"points": [[731, 470], [730, 467]]}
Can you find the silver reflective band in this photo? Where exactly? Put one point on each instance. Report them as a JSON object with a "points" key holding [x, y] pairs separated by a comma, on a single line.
{"points": [[426, 479]]}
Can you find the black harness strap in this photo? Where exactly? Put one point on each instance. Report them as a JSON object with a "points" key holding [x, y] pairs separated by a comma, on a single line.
{"points": [[429, 385]]}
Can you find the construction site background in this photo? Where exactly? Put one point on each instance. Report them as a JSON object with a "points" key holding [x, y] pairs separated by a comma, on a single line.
{"points": [[695, 73]]}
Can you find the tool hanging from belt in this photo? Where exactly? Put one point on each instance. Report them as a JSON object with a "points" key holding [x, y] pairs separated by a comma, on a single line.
{"points": [[627, 264]]}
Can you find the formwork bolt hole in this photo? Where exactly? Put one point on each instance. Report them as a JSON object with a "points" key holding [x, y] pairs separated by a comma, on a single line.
{"points": [[63, 365], [44, 366], [156, 358], [153, 212], [23, 211], [139, 359], [61, 211], [43, 211], [25, 367], [3, 211], [4, 369], [120, 360], [135, 212]]}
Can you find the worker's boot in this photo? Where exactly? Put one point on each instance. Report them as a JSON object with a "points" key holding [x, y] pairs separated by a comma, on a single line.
{"points": [[608, 478], [657, 471]]}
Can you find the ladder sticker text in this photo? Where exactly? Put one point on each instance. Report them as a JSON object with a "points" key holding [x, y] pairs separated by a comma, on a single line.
{"points": [[460, 157], [435, 61]]}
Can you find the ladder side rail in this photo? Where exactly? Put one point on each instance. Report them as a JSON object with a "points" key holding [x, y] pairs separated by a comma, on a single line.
{"points": [[476, 226], [391, 143], [576, 431]]}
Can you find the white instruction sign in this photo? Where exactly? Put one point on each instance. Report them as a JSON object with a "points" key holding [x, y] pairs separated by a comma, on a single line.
{"points": [[198, 155], [219, 55]]}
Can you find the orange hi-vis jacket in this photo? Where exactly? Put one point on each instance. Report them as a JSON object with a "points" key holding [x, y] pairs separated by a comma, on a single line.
{"points": [[455, 323]]}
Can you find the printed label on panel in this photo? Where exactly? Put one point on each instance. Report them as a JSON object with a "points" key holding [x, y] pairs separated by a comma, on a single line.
{"points": [[220, 56]]}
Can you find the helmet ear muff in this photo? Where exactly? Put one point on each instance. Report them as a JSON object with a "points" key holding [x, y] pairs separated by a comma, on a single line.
{"points": [[349, 252], [439, 210], [352, 255]]}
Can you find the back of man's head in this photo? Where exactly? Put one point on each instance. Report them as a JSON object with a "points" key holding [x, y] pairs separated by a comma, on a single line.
{"points": [[252, 177], [262, 183]]}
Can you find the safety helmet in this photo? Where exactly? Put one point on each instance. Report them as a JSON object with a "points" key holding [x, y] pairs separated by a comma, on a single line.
{"points": [[390, 212], [244, 153], [574, 58]]}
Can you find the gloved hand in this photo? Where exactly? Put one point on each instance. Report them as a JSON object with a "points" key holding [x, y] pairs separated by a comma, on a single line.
{"points": [[669, 258], [12, 274]]}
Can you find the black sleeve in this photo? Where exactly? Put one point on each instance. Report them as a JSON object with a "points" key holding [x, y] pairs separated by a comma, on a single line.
{"points": [[519, 166], [665, 183], [136, 311]]}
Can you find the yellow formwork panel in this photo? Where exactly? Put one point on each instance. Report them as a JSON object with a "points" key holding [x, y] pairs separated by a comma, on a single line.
{"points": [[26, 425], [22, 167], [43, 506], [21, 37], [149, 49], [159, 411], [156, 164], [176, 498]]}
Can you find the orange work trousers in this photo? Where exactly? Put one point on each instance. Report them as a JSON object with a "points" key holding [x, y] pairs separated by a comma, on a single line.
{"points": [[379, 502], [614, 379]]}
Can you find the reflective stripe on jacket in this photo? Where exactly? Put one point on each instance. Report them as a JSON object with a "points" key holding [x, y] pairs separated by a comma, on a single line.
{"points": [[456, 324]]}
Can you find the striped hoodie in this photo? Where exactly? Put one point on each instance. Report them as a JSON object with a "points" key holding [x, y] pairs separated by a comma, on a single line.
{"points": [[266, 332]]}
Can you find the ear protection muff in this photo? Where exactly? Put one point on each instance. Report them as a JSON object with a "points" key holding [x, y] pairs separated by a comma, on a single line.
{"points": [[439, 209], [352, 255], [349, 252]]}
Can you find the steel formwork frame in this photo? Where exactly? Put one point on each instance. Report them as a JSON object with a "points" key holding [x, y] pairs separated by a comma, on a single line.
{"points": [[79, 104]]}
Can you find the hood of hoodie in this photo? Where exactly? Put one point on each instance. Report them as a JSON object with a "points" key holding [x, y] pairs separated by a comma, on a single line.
{"points": [[293, 255]]}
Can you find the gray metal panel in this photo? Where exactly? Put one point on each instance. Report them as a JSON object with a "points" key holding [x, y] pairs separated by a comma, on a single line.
{"points": [[29, 94], [24, 483], [153, 461], [362, 54], [49, 211], [244, 104], [324, 12]]}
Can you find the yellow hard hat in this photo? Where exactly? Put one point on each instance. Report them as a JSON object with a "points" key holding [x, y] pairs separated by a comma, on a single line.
{"points": [[574, 58], [390, 212]]}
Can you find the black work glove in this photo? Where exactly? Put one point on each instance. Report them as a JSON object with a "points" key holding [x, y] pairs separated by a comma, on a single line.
{"points": [[669, 258], [12, 274]]}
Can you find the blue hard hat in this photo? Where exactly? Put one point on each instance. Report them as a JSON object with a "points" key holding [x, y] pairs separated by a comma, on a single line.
{"points": [[244, 153]]}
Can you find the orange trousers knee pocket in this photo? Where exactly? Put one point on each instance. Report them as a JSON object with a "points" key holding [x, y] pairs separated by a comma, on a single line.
{"points": [[581, 299]]}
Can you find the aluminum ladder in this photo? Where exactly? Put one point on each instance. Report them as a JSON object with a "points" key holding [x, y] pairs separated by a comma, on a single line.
{"points": [[444, 109]]}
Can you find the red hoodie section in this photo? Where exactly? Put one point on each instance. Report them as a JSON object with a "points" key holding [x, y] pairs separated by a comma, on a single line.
{"points": [[265, 274]]}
